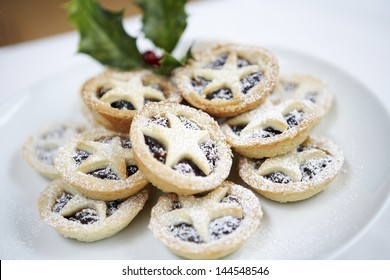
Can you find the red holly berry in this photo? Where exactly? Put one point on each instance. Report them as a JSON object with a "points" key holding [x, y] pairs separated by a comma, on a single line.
{"points": [[151, 58]]}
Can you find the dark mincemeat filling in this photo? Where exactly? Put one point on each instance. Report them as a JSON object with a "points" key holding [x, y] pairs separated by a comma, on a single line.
{"points": [[84, 216], [112, 207], [218, 228], [105, 173], [293, 118], [223, 226], [122, 104], [223, 93], [160, 121], [186, 166], [308, 171], [242, 62], [264, 133], [231, 199], [250, 81], [102, 91], [175, 205], [156, 148], [80, 156], [199, 84], [188, 123], [62, 201], [313, 167], [218, 63], [278, 177], [210, 151], [131, 170], [185, 232], [126, 144]]}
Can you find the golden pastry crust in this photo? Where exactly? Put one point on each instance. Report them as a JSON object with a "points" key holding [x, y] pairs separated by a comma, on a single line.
{"points": [[207, 227], [297, 175], [40, 149], [303, 87], [100, 164], [109, 94], [76, 216], [180, 149], [228, 79], [270, 130]]}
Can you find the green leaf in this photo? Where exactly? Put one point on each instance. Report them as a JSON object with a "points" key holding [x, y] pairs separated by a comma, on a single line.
{"points": [[187, 56], [102, 35], [164, 21], [169, 62]]}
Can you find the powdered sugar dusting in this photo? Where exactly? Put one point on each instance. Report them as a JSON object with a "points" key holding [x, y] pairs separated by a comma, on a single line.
{"points": [[40, 149], [24, 229], [187, 222], [268, 121], [77, 216], [312, 164]]}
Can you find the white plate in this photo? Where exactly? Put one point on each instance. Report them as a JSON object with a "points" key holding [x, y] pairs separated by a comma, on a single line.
{"points": [[320, 227]]}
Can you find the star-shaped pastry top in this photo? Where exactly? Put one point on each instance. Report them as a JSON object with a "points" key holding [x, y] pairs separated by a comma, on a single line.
{"points": [[229, 76], [199, 212], [110, 154], [290, 163], [180, 142], [132, 90], [79, 202], [266, 115]]}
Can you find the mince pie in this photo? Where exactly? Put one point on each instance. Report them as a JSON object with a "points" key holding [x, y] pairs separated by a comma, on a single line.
{"points": [[227, 80], [303, 87], [76, 216], [209, 226], [180, 149], [40, 149], [114, 97], [100, 164], [270, 130], [298, 175]]}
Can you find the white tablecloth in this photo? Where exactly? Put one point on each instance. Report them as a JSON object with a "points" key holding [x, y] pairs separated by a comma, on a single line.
{"points": [[352, 35]]}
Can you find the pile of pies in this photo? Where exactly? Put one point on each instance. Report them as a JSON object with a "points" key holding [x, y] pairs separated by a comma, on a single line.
{"points": [[139, 133]]}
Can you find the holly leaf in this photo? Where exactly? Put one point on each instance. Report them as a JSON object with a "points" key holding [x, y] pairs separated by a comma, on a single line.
{"points": [[164, 21], [103, 36], [169, 62]]}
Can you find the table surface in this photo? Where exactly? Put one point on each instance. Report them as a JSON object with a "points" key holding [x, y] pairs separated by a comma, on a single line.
{"points": [[354, 38]]}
